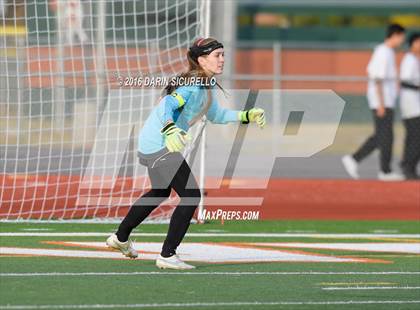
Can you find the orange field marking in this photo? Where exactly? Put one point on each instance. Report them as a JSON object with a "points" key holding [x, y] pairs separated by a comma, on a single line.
{"points": [[67, 244]]}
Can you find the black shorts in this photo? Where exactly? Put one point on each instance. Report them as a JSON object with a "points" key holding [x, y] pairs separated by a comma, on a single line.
{"points": [[160, 158]]}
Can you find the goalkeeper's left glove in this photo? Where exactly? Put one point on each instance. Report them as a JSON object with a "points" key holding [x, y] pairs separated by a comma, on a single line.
{"points": [[175, 138], [253, 115]]}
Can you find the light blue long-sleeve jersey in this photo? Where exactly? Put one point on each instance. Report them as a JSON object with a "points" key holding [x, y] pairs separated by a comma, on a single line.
{"points": [[182, 109]]}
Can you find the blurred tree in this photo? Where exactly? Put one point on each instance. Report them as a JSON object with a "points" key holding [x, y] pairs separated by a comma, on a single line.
{"points": [[338, 20], [409, 21], [305, 20], [369, 21]]}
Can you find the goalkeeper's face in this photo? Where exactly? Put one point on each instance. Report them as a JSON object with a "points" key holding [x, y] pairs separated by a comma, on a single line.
{"points": [[213, 63]]}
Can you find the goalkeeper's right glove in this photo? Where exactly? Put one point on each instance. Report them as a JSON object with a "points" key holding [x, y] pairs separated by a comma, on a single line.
{"points": [[253, 115], [175, 138]]}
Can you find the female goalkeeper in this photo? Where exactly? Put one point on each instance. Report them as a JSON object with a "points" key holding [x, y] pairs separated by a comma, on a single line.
{"points": [[161, 140]]}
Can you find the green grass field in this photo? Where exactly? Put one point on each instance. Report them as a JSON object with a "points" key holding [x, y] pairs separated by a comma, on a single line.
{"points": [[389, 280]]}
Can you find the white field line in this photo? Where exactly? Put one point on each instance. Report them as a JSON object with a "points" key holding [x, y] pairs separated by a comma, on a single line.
{"points": [[212, 304], [258, 235], [195, 273], [372, 288], [37, 229]]}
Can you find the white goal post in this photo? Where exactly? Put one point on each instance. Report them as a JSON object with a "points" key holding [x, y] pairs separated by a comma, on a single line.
{"points": [[68, 122]]}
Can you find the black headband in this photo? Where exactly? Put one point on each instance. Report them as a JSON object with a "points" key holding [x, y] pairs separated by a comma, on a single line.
{"points": [[197, 51]]}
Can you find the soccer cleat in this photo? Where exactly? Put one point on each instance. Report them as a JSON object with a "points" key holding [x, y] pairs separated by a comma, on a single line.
{"points": [[350, 164], [127, 248], [390, 176], [173, 262]]}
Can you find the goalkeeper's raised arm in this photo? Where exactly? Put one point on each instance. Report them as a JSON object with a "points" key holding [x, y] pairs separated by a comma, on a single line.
{"points": [[164, 135], [185, 104]]}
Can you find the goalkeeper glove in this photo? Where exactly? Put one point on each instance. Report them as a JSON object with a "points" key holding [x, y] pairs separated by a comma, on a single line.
{"points": [[175, 138], [253, 115]]}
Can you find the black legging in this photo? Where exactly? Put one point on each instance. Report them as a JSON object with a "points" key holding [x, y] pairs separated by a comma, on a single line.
{"points": [[183, 182], [381, 139], [411, 155]]}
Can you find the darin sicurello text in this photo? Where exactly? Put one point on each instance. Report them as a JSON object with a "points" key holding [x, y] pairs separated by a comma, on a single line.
{"points": [[159, 81]]}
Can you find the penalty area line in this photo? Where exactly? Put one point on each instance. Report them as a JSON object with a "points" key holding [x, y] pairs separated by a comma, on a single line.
{"points": [[372, 288], [233, 273], [211, 304]]}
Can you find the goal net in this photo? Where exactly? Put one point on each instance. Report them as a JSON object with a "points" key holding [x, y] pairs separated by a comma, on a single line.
{"points": [[71, 104]]}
